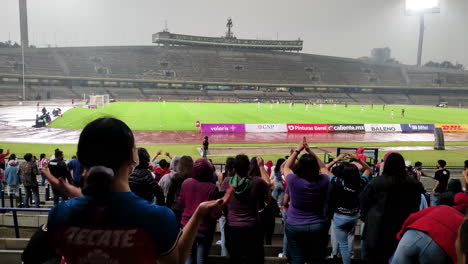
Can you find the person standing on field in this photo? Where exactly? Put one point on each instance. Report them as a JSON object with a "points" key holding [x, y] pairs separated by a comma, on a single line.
{"points": [[205, 146]]}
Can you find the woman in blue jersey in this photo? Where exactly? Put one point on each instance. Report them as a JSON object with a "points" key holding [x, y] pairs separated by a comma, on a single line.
{"points": [[109, 223]]}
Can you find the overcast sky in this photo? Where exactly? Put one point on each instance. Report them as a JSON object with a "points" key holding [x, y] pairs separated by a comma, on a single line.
{"points": [[346, 28]]}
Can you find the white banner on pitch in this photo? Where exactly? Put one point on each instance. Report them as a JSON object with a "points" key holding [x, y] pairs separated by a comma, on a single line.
{"points": [[266, 128], [385, 128]]}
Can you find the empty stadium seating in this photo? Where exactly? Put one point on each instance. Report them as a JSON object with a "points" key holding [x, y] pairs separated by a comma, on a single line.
{"points": [[228, 66]]}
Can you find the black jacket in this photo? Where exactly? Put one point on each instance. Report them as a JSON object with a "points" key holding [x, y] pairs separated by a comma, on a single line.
{"points": [[144, 185], [384, 208]]}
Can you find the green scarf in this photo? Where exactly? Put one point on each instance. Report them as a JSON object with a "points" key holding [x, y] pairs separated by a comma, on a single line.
{"points": [[245, 183]]}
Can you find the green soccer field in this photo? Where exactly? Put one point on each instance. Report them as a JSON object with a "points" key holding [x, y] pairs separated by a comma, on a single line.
{"points": [[182, 116]]}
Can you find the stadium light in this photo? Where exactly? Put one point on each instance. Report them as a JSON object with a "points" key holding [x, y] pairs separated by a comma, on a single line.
{"points": [[421, 7]]}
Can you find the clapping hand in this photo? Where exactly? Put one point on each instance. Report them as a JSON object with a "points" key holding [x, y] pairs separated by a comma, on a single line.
{"points": [[301, 146]]}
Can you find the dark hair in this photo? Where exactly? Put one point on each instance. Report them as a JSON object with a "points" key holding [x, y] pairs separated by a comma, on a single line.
{"points": [[279, 162], [454, 186], [12, 157], [307, 168], [28, 157], [254, 170], [185, 167], [350, 175], [241, 165], [73, 157], [42, 156], [446, 198], [106, 142], [1, 151], [98, 182], [442, 163], [58, 153], [211, 162], [163, 164], [417, 164], [466, 164], [229, 167], [394, 169], [206, 137], [336, 170], [144, 158]]}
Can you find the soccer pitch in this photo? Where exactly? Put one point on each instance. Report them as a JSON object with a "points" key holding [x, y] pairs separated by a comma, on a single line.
{"points": [[182, 116]]}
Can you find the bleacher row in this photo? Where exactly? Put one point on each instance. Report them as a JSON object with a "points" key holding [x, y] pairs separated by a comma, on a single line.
{"points": [[220, 65], [10, 92]]}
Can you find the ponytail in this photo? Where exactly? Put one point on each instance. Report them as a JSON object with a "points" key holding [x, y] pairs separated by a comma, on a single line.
{"points": [[98, 182]]}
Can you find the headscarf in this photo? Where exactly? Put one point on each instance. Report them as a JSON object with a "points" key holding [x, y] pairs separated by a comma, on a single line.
{"points": [[461, 201], [202, 170], [268, 165], [165, 181], [360, 154]]}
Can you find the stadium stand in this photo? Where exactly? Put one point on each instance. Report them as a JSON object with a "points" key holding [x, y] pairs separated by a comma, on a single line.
{"points": [[99, 70]]}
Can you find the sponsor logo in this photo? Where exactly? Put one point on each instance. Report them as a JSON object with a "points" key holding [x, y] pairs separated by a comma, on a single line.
{"points": [[313, 128], [417, 127], [266, 128], [453, 127], [382, 128], [223, 128], [346, 128]]}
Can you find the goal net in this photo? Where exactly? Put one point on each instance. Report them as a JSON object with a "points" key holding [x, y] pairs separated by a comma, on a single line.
{"points": [[98, 100]]}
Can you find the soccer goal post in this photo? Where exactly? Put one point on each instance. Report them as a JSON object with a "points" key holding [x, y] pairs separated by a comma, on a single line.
{"points": [[99, 100]]}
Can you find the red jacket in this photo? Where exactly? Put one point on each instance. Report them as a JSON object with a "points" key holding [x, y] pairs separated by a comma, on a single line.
{"points": [[461, 201], [441, 223], [2, 156]]}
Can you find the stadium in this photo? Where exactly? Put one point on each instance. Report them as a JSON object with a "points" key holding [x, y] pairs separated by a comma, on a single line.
{"points": [[247, 96]]}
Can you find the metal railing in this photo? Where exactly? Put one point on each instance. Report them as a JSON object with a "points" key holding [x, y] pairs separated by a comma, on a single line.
{"points": [[15, 216], [19, 197]]}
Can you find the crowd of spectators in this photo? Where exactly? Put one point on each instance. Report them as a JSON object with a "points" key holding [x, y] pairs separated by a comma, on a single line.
{"points": [[114, 203]]}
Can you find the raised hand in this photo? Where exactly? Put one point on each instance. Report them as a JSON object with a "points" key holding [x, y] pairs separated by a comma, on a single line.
{"points": [[342, 156], [211, 207], [301, 146], [260, 162]]}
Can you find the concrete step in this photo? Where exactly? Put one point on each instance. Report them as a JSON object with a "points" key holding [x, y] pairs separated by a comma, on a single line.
{"points": [[14, 257], [13, 243], [10, 256]]}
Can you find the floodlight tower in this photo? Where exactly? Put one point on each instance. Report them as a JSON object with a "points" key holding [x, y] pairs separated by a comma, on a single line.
{"points": [[421, 7]]}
